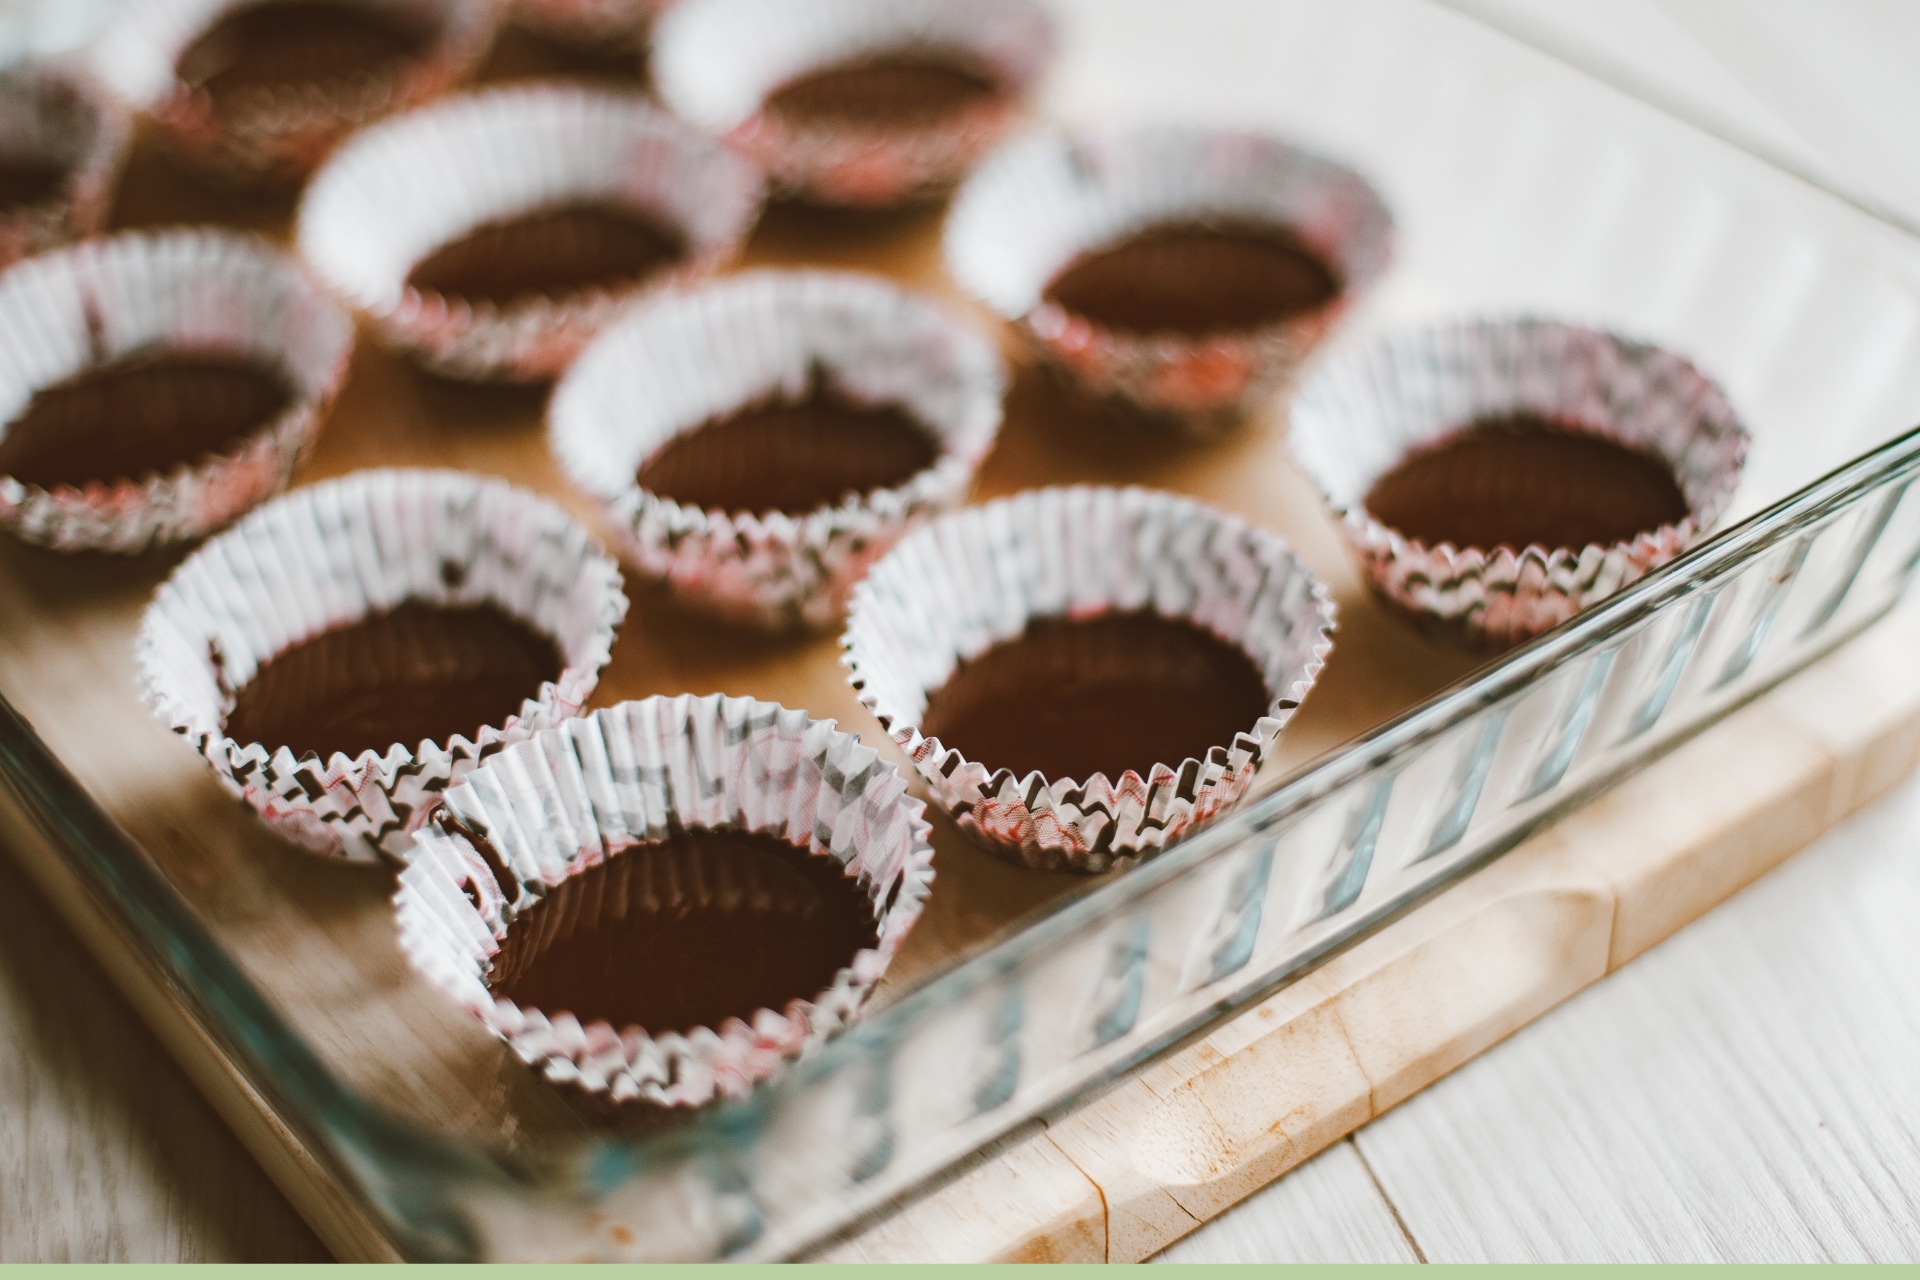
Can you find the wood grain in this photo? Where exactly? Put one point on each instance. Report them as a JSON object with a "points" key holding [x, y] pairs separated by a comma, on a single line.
{"points": [[1329, 1209], [108, 1153]]}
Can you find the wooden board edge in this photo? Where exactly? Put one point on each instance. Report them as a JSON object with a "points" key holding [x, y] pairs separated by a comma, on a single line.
{"points": [[1205, 1128]]}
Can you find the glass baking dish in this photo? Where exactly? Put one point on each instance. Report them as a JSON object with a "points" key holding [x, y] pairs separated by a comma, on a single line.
{"points": [[1517, 185]]}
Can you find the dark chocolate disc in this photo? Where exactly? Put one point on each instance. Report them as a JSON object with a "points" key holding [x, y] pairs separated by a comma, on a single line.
{"points": [[289, 42], [1072, 697], [794, 457], [416, 672], [1195, 280], [140, 416], [26, 181], [686, 933], [1524, 480], [892, 90], [553, 251]]}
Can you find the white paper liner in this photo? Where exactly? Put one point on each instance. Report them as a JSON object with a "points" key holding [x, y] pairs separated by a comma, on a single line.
{"points": [[715, 61], [279, 134], [1365, 410], [186, 291], [977, 577], [59, 115], [612, 23], [688, 357], [584, 792], [333, 553], [1043, 200], [401, 189]]}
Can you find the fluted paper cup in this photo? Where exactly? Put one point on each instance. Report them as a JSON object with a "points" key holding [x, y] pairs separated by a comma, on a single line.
{"points": [[1041, 202], [336, 553], [592, 791], [976, 578], [717, 61], [396, 192], [689, 358], [194, 293], [279, 134], [59, 118], [1368, 409]]}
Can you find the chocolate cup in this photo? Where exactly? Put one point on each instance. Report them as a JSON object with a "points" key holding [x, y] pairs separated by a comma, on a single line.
{"points": [[278, 131], [396, 193], [1042, 204], [1367, 410], [64, 126], [725, 65], [342, 552], [978, 577], [690, 358], [201, 296], [620, 784]]}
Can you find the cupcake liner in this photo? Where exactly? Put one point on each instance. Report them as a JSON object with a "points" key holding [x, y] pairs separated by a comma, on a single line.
{"points": [[1040, 202], [190, 292], [977, 577], [59, 116], [716, 61], [687, 358], [613, 23], [333, 553], [279, 134], [587, 791], [404, 188], [1367, 409]]}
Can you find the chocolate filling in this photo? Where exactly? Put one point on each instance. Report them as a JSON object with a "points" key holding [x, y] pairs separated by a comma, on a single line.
{"points": [[416, 672], [140, 416], [795, 456], [1523, 480], [1072, 697], [288, 42], [1194, 279], [891, 90], [553, 251], [26, 181], [686, 933]]}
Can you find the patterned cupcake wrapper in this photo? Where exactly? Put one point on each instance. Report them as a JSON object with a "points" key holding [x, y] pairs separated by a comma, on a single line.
{"points": [[398, 191], [337, 552], [604, 23], [690, 357], [279, 135], [976, 578], [587, 791], [62, 117], [199, 292], [716, 61], [1367, 409], [1042, 201]]}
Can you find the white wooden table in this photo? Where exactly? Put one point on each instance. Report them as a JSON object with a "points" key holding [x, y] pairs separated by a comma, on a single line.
{"points": [[1749, 1090]]}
